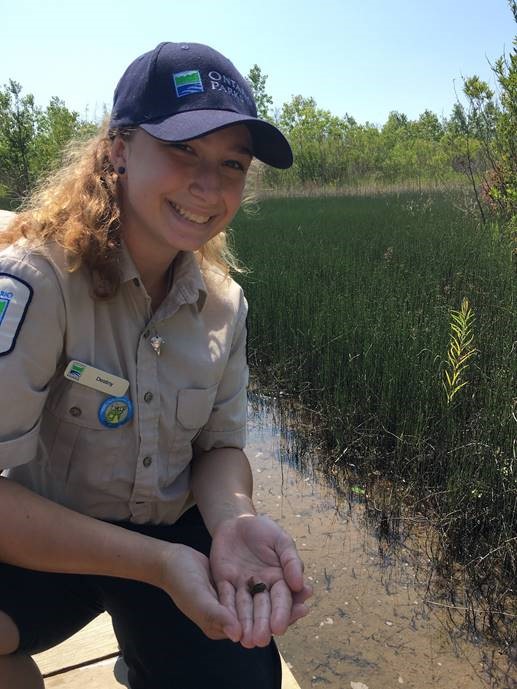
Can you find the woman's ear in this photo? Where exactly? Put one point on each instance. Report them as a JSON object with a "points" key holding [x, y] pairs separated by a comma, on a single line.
{"points": [[118, 153]]}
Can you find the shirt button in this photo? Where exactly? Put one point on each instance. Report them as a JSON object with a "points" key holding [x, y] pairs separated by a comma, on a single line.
{"points": [[75, 411], [148, 396], [136, 282], [147, 461]]}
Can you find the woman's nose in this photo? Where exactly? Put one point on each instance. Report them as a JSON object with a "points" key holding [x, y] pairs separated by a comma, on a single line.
{"points": [[206, 183]]}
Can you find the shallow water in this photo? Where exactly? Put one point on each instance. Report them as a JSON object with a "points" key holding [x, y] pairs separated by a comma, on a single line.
{"points": [[371, 624]]}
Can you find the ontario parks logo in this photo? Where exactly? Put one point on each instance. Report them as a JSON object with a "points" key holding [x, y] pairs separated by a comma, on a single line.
{"points": [[76, 371], [187, 83], [5, 300]]}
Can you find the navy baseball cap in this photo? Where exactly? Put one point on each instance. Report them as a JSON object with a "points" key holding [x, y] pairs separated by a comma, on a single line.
{"points": [[181, 91]]}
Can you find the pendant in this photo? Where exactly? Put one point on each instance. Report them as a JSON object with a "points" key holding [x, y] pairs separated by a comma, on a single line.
{"points": [[156, 343]]}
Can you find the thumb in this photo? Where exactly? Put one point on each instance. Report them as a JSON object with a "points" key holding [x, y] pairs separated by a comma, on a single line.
{"points": [[217, 621], [233, 631]]}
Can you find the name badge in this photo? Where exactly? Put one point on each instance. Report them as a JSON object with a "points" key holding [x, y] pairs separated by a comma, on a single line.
{"points": [[96, 379]]}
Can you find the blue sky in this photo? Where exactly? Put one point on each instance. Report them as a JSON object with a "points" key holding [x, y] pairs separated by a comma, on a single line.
{"points": [[361, 57]]}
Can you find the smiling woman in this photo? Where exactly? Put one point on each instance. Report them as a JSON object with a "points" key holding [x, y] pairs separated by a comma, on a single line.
{"points": [[123, 347], [178, 196]]}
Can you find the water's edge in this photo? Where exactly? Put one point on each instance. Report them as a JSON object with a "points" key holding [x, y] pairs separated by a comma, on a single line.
{"points": [[371, 624]]}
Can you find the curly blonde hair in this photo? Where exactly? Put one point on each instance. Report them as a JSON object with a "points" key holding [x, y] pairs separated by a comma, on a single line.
{"points": [[77, 206]]}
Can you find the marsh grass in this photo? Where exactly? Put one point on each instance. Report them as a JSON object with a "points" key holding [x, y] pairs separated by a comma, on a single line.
{"points": [[350, 313]]}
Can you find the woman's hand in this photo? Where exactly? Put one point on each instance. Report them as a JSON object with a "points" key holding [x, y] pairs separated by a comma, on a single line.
{"points": [[186, 578], [255, 548]]}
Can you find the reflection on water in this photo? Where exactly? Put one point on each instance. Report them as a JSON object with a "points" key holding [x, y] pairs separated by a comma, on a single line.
{"points": [[371, 624]]}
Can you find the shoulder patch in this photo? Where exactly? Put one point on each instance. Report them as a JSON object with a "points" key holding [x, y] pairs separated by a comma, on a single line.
{"points": [[15, 297]]}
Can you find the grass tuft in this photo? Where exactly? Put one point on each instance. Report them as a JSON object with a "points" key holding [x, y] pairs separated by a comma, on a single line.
{"points": [[461, 350]]}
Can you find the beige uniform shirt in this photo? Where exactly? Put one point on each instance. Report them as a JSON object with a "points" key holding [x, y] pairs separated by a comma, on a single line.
{"points": [[51, 439]]}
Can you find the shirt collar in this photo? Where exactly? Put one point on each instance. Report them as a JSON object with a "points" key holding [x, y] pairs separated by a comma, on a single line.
{"points": [[128, 270], [188, 285]]}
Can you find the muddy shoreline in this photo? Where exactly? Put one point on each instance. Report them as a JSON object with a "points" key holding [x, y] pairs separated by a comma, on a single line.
{"points": [[371, 623]]}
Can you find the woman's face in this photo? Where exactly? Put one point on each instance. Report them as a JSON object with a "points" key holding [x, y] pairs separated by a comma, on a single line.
{"points": [[177, 196]]}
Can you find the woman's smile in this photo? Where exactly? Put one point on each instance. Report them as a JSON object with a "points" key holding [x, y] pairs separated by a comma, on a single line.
{"points": [[188, 215]]}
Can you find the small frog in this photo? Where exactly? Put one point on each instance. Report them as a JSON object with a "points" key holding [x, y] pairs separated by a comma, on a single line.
{"points": [[255, 587]]}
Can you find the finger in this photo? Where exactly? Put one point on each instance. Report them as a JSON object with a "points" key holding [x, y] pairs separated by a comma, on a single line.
{"points": [[292, 566], [244, 608], [261, 619], [281, 606], [216, 621], [303, 595], [299, 610], [226, 594], [233, 631]]}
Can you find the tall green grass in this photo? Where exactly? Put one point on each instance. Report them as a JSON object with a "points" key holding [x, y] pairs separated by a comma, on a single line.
{"points": [[350, 310]]}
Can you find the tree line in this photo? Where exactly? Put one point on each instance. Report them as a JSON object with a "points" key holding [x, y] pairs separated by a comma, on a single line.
{"points": [[477, 143], [32, 139]]}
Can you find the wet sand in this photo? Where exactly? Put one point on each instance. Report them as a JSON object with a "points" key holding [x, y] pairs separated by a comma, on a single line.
{"points": [[371, 625]]}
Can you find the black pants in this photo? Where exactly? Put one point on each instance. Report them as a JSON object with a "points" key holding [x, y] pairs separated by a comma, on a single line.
{"points": [[162, 648]]}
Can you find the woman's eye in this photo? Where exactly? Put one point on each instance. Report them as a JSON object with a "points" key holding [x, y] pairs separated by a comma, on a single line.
{"points": [[180, 147], [235, 165]]}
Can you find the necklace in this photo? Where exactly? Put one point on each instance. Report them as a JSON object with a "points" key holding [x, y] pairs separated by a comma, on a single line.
{"points": [[157, 340]]}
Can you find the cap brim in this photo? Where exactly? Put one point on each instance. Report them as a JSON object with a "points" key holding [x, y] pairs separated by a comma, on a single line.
{"points": [[269, 144]]}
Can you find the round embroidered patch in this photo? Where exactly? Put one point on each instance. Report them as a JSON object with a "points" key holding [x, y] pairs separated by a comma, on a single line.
{"points": [[115, 412]]}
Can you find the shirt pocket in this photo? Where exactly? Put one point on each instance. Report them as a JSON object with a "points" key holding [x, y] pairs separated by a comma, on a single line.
{"points": [[80, 449], [193, 410]]}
